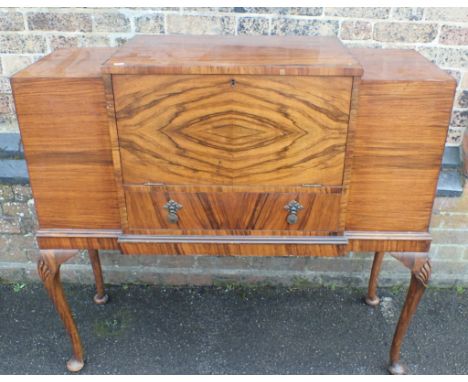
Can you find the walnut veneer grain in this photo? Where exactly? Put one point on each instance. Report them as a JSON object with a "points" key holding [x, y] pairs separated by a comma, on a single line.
{"points": [[60, 102], [258, 55], [232, 130]]}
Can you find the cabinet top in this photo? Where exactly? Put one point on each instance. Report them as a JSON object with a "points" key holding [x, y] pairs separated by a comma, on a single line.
{"points": [[68, 63], [398, 65], [258, 55]]}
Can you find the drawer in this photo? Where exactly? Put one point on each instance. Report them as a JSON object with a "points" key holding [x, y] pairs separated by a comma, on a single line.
{"points": [[150, 209], [232, 130]]}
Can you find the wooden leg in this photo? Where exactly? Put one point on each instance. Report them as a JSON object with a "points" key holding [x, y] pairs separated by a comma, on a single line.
{"points": [[420, 273], [48, 268], [100, 297], [372, 299]]}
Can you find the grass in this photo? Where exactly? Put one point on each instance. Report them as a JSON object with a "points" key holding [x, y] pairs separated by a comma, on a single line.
{"points": [[18, 287], [299, 282], [396, 289]]}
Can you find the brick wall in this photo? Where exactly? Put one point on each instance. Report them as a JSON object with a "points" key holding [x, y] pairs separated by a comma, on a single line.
{"points": [[441, 34]]}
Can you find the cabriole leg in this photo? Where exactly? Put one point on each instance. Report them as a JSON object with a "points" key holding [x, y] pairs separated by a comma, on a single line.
{"points": [[100, 297], [420, 273], [372, 299], [48, 268]]}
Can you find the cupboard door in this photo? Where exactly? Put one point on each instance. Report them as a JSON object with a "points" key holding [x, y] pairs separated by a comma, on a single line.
{"points": [[232, 130]]}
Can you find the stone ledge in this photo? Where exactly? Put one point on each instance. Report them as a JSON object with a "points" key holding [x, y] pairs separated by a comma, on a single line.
{"points": [[451, 181], [11, 272], [13, 171], [11, 146], [452, 157]]}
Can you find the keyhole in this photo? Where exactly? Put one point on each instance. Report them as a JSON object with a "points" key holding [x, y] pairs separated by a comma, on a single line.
{"points": [[233, 83]]}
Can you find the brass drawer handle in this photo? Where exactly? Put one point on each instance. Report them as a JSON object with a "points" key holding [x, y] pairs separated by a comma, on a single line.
{"points": [[293, 207], [172, 207]]}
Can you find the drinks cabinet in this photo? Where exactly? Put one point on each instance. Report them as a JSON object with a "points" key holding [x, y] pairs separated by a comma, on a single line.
{"points": [[230, 145]]}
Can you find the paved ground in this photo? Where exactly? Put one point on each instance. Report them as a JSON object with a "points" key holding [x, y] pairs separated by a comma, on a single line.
{"points": [[231, 330]]}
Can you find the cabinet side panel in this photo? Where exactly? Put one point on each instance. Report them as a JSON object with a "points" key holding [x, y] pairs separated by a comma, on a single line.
{"points": [[63, 123], [399, 141]]}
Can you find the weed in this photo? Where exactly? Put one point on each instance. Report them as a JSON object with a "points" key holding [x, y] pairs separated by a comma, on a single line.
{"points": [[396, 288], [18, 287], [299, 282], [227, 285], [459, 289]]}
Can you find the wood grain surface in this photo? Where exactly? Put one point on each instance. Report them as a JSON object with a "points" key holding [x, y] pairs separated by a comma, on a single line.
{"points": [[349, 151], [115, 149], [368, 241], [205, 130], [48, 268], [256, 55], [396, 65], [399, 140], [78, 238], [65, 134], [207, 209], [68, 63], [231, 246], [356, 241]]}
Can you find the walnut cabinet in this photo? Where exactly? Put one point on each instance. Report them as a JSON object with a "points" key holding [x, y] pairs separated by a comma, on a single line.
{"points": [[225, 146]]}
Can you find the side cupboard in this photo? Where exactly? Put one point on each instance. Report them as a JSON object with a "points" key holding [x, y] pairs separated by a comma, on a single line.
{"points": [[234, 145]]}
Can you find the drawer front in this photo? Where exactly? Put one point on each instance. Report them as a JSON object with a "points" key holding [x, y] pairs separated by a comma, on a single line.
{"points": [[232, 130], [182, 208]]}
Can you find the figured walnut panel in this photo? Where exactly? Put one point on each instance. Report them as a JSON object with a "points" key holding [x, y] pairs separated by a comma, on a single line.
{"points": [[64, 128], [228, 210], [399, 141], [232, 130]]}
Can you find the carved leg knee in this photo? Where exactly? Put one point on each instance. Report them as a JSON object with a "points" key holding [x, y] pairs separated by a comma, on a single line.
{"points": [[372, 299], [100, 297], [420, 273], [48, 268]]}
